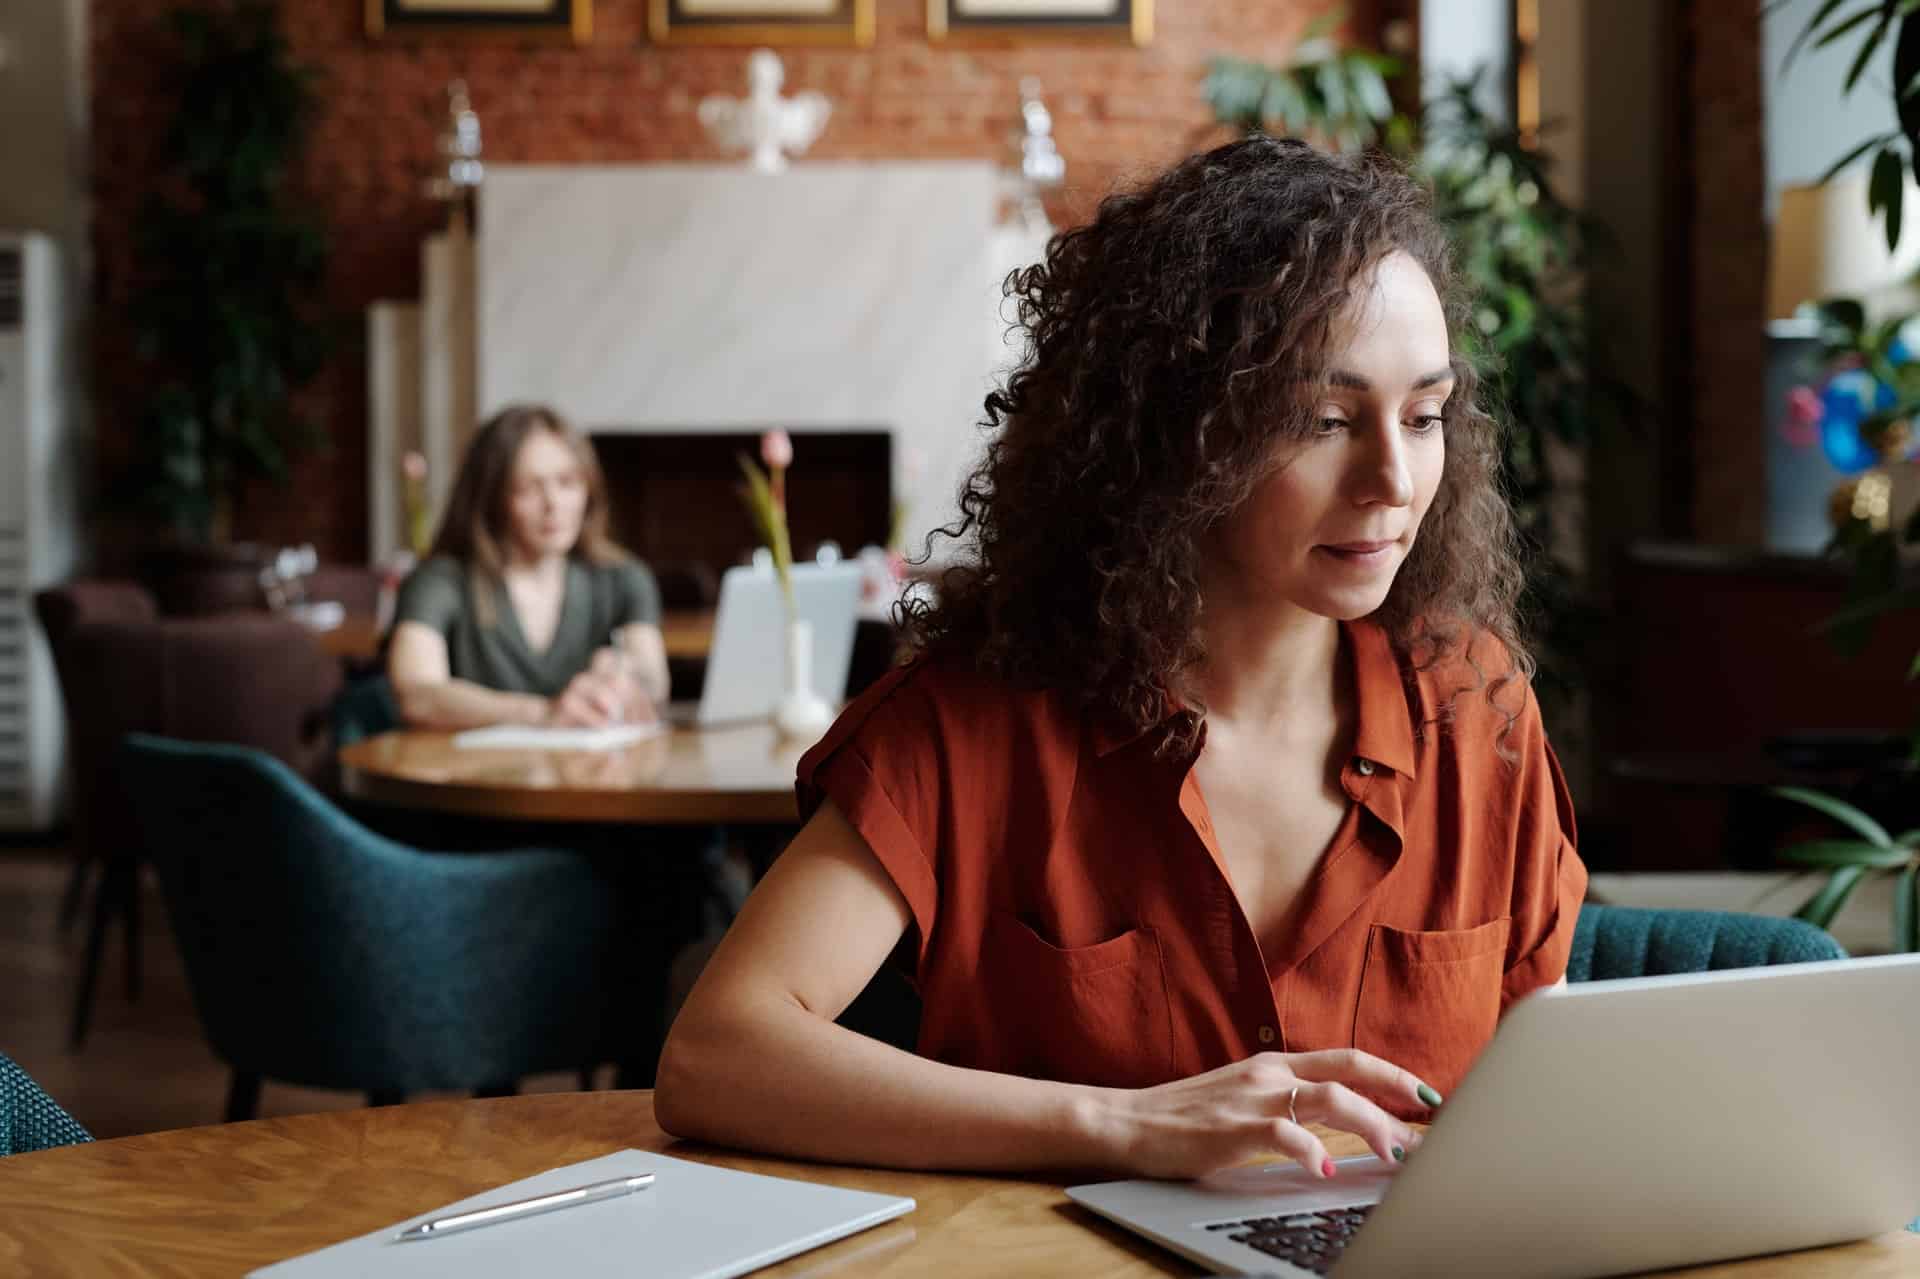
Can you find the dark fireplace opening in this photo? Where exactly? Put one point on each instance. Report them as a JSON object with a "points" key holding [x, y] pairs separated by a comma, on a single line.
{"points": [[675, 499]]}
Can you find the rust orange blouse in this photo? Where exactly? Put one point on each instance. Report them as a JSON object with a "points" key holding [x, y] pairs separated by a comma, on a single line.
{"points": [[1073, 919]]}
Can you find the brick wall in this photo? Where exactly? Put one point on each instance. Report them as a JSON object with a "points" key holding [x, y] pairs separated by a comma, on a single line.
{"points": [[1118, 112]]}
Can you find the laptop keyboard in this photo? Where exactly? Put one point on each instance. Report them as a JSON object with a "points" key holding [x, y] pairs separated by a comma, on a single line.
{"points": [[1311, 1240]]}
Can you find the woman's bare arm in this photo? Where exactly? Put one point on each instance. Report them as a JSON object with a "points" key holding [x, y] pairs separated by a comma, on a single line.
{"points": [[645, 651], [430, 697], [755, 1060]]}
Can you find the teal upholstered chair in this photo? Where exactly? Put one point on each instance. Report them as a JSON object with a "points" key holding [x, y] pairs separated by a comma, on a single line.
{"points": [[1620, 941], [365, 708], [320, 953], [29, 1119]]}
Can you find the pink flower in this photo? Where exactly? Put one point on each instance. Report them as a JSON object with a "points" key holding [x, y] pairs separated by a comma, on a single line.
{"points": [[1803, 407], [776, 450], [1804, 411], [414, 466]]}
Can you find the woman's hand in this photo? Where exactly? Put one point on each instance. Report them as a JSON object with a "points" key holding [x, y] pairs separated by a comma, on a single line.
{"points": [[1195, 1126], [605, 693]]}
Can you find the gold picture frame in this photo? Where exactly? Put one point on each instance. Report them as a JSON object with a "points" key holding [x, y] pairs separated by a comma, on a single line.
{"points": [[771, 22], [1005, 21], [568, 21]]}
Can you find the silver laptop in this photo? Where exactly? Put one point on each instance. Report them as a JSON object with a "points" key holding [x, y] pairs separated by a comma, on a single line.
{"points": [[747, 664], [1609, 1127]]}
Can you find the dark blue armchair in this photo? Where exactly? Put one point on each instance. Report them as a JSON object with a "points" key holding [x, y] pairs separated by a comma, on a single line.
{"points": [[323, 954]]}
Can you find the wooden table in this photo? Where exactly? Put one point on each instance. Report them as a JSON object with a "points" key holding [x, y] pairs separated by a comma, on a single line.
{"points": [[224, 1200], [688, 632], [734, 776]]}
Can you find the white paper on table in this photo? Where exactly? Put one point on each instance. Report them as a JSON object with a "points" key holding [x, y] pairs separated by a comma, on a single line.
{"points": [[696, 1221], [523, 737]]}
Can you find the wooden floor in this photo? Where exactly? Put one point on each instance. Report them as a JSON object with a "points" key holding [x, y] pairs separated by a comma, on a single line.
{"points": [[145, 1065]]}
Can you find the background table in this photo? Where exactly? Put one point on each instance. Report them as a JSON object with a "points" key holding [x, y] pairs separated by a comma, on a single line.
{"points": [[221, 1201], [731, 776], [688, 632]]}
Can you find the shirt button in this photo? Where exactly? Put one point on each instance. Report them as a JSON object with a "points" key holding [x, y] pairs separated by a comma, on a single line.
{"points": [[1364, 767], [1266, 1034]]}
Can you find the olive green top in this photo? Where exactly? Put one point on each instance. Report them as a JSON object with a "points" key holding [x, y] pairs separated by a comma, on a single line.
{"points": [[599, 599]]}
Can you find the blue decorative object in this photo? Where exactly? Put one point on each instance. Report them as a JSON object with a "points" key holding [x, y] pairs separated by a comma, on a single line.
{"points": [[1846, 401]]}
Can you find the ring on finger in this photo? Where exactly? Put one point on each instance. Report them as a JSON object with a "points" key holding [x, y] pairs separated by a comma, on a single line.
{"points": [[1292, 1094]]}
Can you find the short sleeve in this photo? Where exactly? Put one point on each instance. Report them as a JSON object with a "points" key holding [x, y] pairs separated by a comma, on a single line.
{"points": [[1550, 880], [433, 595], [879, 764], [636, 594]]}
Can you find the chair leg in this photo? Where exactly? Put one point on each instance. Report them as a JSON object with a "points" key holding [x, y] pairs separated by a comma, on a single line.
{"points": [[243, 1096], [76, 891], [132, 905], [385, 1096], [106, 899], [511, 1088]]}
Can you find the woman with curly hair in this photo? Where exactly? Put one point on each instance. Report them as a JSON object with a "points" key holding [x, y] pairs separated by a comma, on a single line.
{"points": [[1215, 801]]}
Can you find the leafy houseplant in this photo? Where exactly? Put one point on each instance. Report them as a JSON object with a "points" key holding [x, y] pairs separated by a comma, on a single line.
{"points": [[225, 316], [1334, 96], [1849, 861], [1882, 584]]}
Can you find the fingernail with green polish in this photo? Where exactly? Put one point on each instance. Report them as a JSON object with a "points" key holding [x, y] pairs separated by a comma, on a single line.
{"points": [[1428, 1095], [1399, 1155]]}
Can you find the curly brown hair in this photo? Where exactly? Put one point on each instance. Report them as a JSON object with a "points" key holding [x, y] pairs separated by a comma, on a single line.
{"points": [[1172, 344]]}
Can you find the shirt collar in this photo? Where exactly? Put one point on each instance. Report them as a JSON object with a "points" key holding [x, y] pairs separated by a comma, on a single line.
{"points": [[1385, 728]]}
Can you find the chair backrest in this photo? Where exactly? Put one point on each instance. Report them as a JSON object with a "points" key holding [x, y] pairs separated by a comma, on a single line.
{"points": [[29, 1119], [252, 679], [365, 708], [321, 953], [1619, 941]]}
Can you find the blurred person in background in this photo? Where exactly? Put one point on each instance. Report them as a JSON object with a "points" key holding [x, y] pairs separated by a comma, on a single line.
{"points": [[525, 611]]}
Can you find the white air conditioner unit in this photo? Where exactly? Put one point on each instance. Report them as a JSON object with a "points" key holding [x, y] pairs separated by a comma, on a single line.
{"points": [[39, 523]]}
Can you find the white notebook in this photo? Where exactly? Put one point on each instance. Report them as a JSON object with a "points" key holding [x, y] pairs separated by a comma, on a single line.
{"points": [[695, 1222], [521, 737]]}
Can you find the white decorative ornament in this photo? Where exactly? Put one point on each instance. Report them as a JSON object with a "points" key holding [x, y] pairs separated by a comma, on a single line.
{"points": [[763, 123]]}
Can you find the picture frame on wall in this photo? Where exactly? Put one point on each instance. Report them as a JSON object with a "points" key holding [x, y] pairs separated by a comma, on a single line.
{"points": [[773, 22], [562, 20], [1128, 21]]}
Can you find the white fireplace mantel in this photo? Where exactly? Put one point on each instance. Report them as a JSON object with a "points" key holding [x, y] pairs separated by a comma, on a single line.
{"points": [[696, 297], [705, 297]]}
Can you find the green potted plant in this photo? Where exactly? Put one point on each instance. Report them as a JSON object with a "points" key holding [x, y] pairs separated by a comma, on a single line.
{"points": [[1849, 861], [1331, 95], [227, 313], [1878, 550]]}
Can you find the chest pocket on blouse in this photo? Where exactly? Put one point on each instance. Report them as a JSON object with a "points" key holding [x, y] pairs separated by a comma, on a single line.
{"points": [[1429, 1001], [1085, 1014]]}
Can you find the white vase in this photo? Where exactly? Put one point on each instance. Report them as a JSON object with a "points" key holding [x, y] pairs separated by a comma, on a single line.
{"points": [[801, 713]]}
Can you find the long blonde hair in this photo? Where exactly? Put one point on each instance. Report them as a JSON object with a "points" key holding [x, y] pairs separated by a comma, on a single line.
{"points": [[474, 530]]}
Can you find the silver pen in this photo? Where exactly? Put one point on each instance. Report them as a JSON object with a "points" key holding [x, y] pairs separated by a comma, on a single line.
{"points": [[527, 1207]]}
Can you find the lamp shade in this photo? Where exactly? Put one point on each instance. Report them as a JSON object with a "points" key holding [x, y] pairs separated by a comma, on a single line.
{"points": [[1826, 243]]}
